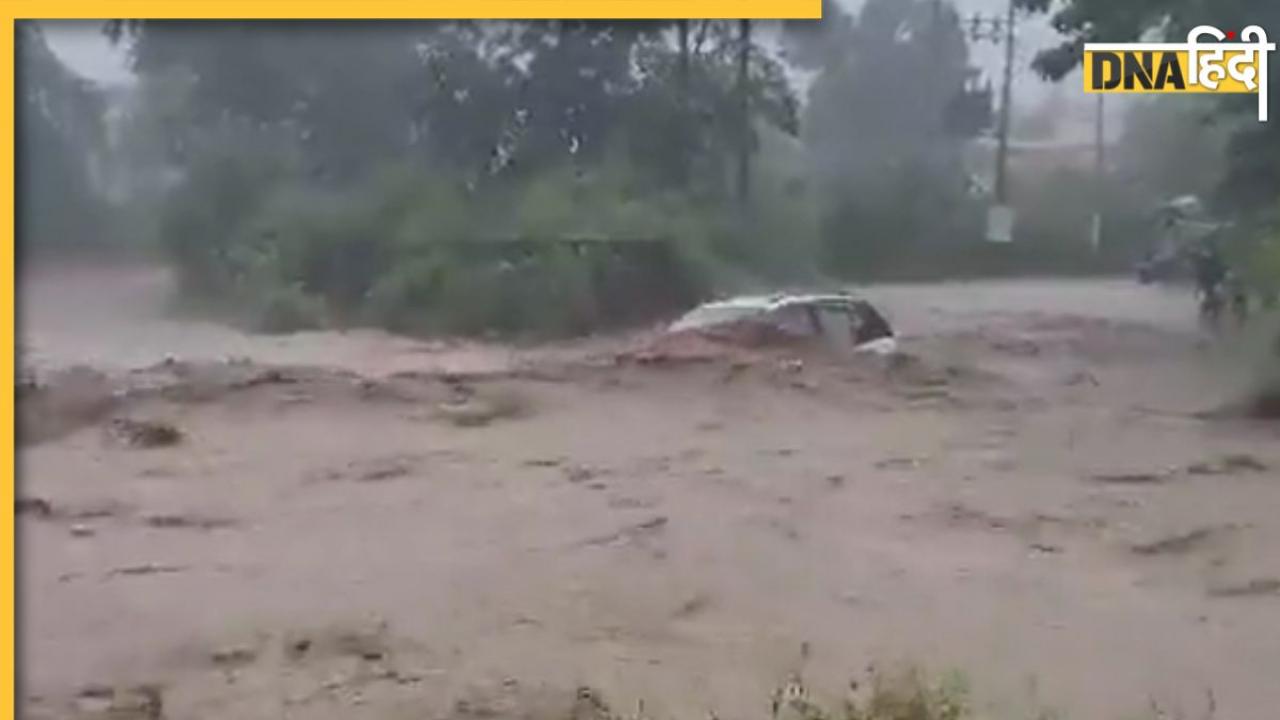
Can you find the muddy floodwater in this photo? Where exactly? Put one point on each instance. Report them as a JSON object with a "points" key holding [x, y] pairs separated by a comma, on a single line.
{"points": [[355, 525]]}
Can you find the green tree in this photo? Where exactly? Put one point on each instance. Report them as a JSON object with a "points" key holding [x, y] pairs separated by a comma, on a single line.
{"points": [[699, 110], [886, 152], [59, 133], [348, 90], [343, 172]]}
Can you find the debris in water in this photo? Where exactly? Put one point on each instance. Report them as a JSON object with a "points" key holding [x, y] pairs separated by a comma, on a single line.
{"points": [[1137, 478], [63, 402], [145, 433], [629, 533], [899, 463], [579, 473], [195, 522], [693, 606], [480, 410], [383, 469], [233, 655], [378, 469], [273, 376], [1260, 586], [296, 646], [368, 643], [1177, 544], [141, 702], [1082, 377], [38, 507], [147, 569], [1244, 463], [793, 366], [544, 462], [1229, 465]]}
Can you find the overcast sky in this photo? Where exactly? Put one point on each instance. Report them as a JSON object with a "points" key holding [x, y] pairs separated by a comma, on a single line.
{"points": [[81, 45]]}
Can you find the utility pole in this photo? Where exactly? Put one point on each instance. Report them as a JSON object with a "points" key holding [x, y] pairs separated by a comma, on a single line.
{"points": [[1100, 172], [998, 31], [1100, 139], [686, 117], [1006, 111]]}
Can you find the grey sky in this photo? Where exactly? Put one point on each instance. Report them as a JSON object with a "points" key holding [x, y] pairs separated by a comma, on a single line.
{"points": [[81, 45]]}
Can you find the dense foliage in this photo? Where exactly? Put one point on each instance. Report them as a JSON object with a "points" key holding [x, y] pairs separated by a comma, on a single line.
{"points": [[558, 177], [59, 120]]}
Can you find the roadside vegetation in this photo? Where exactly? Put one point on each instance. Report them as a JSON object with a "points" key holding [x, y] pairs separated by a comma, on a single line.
{"points": [[546, 179], [905, 692], [539, 178]]}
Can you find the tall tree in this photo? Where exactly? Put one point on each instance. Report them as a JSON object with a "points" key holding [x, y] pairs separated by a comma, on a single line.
{"points": [[691, 133], [59, 133], [861, 119], [348, 89], [887, 154], [744, 111]]}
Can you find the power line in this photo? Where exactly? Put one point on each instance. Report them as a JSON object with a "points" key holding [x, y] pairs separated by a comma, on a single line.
{"points": [[1002, 31]]}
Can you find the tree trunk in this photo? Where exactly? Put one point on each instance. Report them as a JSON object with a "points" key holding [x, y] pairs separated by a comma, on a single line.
{"points": [[687, 129], [744, 112]]}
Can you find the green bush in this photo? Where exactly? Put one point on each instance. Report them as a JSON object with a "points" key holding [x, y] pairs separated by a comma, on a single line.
{"points": [[910, 218], [1261, 271], [201, 228], [575, 249], [285, 309], [332, 245], [565, 251]]}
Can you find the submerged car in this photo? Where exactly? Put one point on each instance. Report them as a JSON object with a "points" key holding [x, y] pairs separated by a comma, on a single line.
{"points": [[841, 320]]}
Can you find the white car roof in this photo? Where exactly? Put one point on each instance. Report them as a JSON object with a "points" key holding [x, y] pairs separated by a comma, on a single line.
{"points": [[724, 311]]}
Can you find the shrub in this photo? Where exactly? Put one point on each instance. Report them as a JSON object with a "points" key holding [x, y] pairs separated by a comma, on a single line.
{"points": [[232, 173], [906, 217], [399, 299], [564, 251], [332, 245], [285, 309], [909, 695]]}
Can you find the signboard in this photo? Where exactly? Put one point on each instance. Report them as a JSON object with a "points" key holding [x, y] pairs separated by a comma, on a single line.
{"points": [[1000, 220]]}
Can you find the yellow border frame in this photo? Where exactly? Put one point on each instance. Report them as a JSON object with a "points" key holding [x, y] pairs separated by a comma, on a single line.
{"points": [[254, 9], [401, 9], [8, 650]]}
